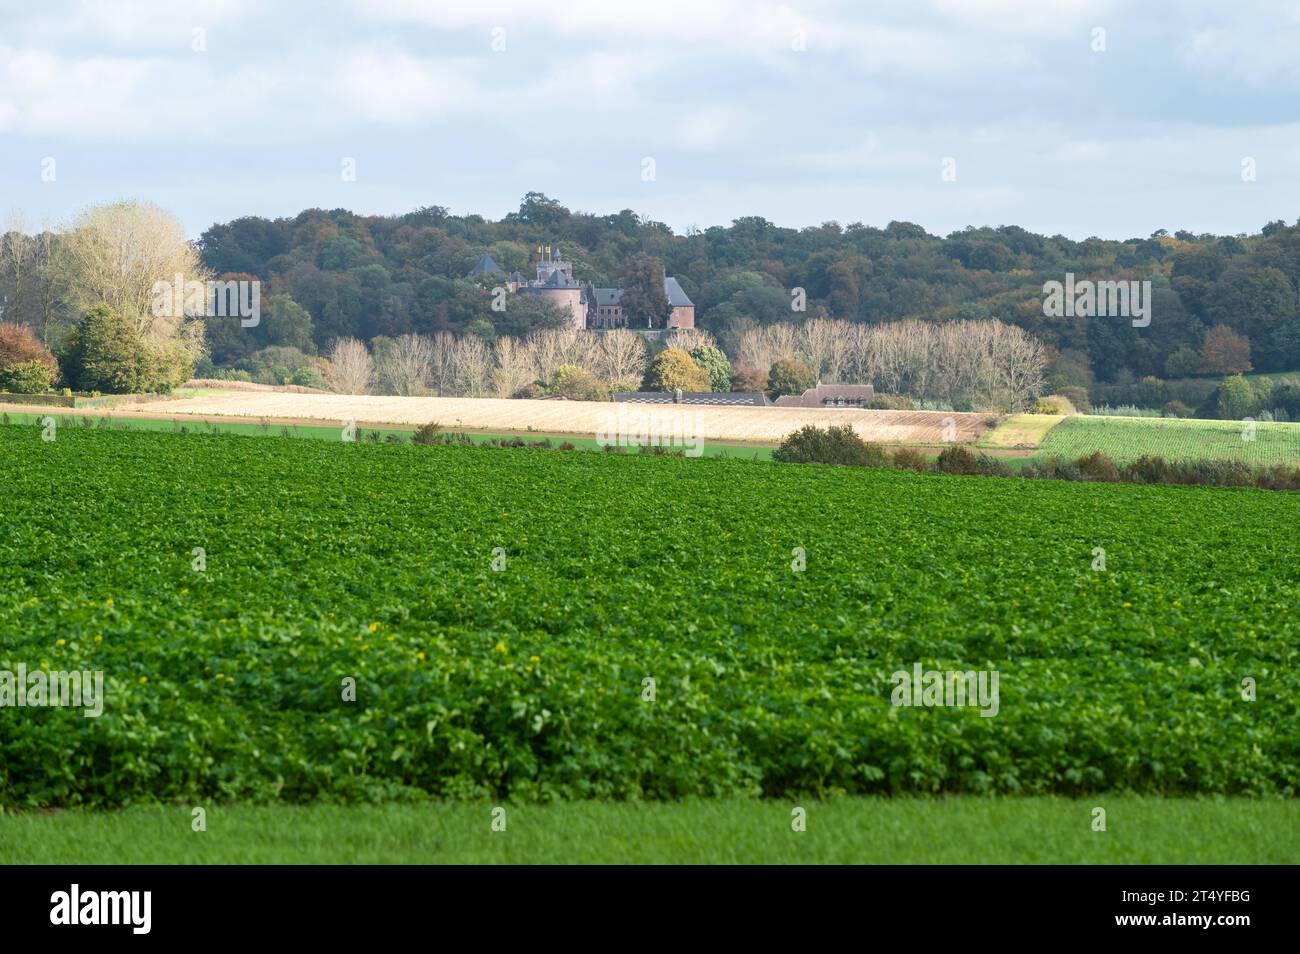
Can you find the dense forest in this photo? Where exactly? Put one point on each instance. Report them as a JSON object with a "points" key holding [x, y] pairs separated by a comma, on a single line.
{"points": [[369, 276], [1220, 304]]}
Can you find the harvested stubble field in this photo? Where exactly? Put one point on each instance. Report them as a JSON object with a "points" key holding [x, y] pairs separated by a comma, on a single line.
{"points": [[758, 424]]}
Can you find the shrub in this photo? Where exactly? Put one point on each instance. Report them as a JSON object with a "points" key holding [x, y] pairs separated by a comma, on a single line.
{"points": [[1147, 470], [907, 458], [430, 433], [20, 351], [891, 402], [1097, 466], [577, 384], [27, 377], [789, 376], [529, 392], [673, 368], [1177, 409], [957, 460], [838, 444], [309, 376], [745, 378], [1078, 398], [993, 467]]}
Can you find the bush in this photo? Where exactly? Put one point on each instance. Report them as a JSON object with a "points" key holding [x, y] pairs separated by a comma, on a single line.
{"points": [[957, 460], [838, 444], [577, 384], [22, 355], [1078, 398], [529, 392], [1177, 409], [789, 376], [1097, 466], [428, 434], [907, 458], [1148, 470], [891, 402], [309, 376], [745, 378], [27, 377]]}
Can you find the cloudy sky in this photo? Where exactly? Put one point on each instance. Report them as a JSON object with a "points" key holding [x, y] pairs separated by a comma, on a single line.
{"points": [[1085, 117]]}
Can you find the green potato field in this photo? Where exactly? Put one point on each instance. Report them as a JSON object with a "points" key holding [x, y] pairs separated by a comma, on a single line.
{"points": [[286, 621], [1124, 439]]}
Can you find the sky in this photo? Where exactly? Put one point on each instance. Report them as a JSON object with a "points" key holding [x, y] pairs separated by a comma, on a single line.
{"points": [[1109, 118]]}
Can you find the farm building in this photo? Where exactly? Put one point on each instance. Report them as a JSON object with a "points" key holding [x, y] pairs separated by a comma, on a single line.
{"points": [[830, 395], [717, 398]]}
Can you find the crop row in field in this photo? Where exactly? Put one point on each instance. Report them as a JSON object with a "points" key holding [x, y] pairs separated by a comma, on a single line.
{"points": [[501, 611], [1123, 439]]}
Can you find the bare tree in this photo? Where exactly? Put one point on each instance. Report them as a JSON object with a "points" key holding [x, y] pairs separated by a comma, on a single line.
{"points": [[512, 367], [473, 366], [116, 254], [442, 367], [825, 342], [688, 338], [351, 370], [407, 366], [623, 357]]}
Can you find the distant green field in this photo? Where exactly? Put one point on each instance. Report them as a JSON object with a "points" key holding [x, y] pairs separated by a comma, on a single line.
{"points": [[328, 432], [717, 831], [1128, 438]]}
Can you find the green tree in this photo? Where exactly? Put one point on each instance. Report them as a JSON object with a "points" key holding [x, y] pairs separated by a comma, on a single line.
{"points": [[1236, 398], [644, 301], [287, 324], [673, 368], [1183, 363], [105, 353], [789, 376], [713, 361]]}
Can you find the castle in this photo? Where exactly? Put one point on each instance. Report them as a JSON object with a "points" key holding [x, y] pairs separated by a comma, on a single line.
{"points": [[588, 307]]}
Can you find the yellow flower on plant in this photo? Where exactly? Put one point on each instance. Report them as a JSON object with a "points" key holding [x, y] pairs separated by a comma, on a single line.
{"points": [[534, 658], [99, 638], [420, 656], [501, 647], [143, 680], [60, 642], [372, 627]]}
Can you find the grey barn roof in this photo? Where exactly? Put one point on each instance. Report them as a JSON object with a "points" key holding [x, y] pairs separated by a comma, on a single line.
{"points": [[746, 398]]}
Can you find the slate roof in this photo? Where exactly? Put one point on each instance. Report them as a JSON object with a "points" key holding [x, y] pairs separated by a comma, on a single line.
{"points": [[676, 297], [485, 264], [745, 398]]}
